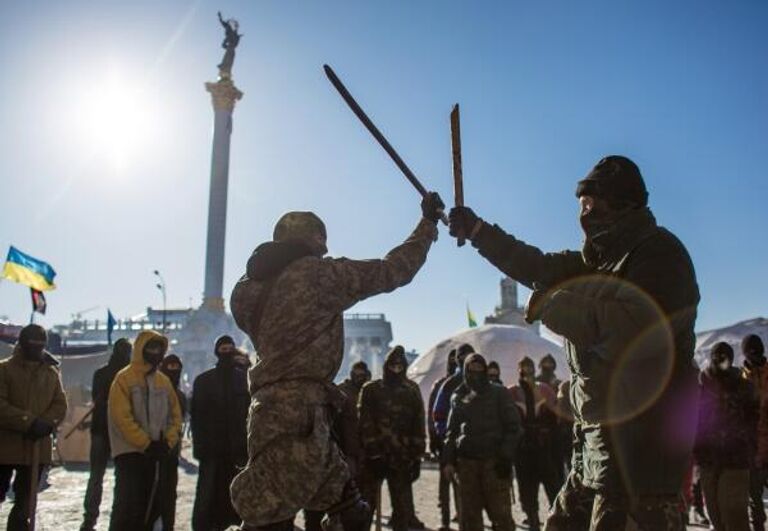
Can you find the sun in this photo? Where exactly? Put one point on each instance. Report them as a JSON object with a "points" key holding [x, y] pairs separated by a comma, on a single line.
{"points": [[116, 119]]}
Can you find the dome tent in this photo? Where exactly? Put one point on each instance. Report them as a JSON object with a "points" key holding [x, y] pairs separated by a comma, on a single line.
{"points": [[505, 344]]}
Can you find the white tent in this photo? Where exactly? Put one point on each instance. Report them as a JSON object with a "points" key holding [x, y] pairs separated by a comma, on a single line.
{"points": [[505, 344]]}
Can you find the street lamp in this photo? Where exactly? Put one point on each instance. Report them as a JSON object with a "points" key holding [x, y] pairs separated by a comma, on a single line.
{"points": [[161, 286]]}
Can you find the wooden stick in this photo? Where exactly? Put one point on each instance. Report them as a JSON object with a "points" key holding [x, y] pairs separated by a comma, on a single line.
{"points": [[458, 174]]}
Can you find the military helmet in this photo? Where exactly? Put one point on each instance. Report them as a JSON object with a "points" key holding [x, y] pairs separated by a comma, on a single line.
{"points": [[298, 226]]}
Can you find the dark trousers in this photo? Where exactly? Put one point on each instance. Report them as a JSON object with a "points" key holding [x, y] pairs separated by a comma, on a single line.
{"points": [[17, 518], [93, 493], [213, 506], [136, 476], [757, 479], [444, 499], [480, 487], [169, 480], [400, 494], [535, 467]]}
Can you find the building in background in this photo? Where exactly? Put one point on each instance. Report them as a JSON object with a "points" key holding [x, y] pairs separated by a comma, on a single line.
{"points": [[510, 312]]}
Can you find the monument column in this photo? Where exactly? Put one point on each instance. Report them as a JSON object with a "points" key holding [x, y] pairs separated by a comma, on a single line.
{"points": [[224, 94]]}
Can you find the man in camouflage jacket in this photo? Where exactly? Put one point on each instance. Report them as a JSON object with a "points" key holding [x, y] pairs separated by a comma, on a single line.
{"points": [[290, 303]]}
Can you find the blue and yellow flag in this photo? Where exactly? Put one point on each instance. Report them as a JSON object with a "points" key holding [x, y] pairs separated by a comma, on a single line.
{"points": [[24, 269], [471, 321]]}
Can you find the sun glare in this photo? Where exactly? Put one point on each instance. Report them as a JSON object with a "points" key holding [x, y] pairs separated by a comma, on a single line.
{"points": [[116, 120]]}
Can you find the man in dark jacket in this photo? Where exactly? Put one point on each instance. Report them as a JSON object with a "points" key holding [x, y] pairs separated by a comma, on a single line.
{"points": [[535, 463], [755, 371], [483, 433], [442, 408], [494, 373], [359, 375], [32, 403], [626, 305], [172, 367], [220, 402], [723, 447], [102, 380], [436, 444], [392, 429]]}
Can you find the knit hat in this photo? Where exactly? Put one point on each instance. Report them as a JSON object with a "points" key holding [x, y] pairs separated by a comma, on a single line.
{"points": [[617, 180]]}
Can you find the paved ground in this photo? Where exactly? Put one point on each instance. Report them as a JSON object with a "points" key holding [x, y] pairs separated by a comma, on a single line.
{"points": [[60, 506]]}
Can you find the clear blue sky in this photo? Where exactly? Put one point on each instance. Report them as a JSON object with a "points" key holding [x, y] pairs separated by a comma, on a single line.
{"points": [[106, 130]]}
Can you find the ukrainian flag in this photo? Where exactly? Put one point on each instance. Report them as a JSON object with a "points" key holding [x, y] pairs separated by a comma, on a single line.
{"points": [[24, 269]]}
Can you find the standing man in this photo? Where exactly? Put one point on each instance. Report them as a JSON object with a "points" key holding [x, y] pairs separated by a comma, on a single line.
{"points": [[723, 447], [483, 433], [290, 303], [100, 451], [442, 408], [144, 420], [32, 403], [436, 446], [756, 373], [359, 375], [220, 403], [534, 463], [393, 436], [626, 305], [494, 373], [172, 368]]}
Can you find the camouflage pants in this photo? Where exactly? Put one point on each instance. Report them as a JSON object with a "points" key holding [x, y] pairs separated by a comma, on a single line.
{"points": [[480, 488], [400, 493], [578, 508]]}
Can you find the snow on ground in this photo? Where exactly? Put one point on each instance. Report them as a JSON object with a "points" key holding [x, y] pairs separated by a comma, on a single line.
{"points": [[60, 506]]}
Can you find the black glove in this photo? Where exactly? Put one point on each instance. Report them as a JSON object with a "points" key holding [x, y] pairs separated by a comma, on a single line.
{"points": [[435, 446], [415, 470], [39, 428], [537, 303], [503, 468], [377, 466], [432, 207], [462, 222], [156, 450]]}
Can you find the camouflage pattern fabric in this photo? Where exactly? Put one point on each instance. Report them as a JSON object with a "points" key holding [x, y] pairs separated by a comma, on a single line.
{"points": [[293, 463], [580, 508], [480, 488]]}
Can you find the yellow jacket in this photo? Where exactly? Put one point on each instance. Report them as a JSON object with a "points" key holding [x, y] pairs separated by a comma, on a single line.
{"points": [[142, 404]]}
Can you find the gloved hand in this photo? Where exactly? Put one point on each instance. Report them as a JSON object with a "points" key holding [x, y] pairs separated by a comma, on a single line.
{"points": [[39, 428], [435, 446], [503, 468], [415, 470], [377, 466], [463, 222], [432, 207], [156, 450], [537, 303]]}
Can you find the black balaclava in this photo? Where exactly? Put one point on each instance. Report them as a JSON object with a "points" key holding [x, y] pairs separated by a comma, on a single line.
{"points": [[32, 340], [476, 380], [548, 365], [154, 351], [461, 355], [171, 366], [226, 343], [359, 374], [121, 353], [721, 357], [452, 364], [494, 367], [395, 358], [526, 369], [753, 350]]}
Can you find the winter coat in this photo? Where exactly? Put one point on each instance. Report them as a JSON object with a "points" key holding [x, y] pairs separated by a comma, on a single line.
{"points": [[442, 408], [102, 381], [727, 414], [628, 314], [435, 439], [541, 424], [142, 405], [482, 425], [28, 390], [392, 420], [292, 310], [219, 413]]}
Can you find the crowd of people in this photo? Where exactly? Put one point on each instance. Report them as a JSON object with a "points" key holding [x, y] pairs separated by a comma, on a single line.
{"points": [[611, 445]]}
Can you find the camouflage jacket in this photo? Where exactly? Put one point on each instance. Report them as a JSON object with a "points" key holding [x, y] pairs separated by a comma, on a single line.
{"points": [[392, 420]]}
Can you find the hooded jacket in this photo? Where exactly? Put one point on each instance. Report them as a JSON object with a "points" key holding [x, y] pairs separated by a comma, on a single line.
{"points": [[142, 404], [28, 390], [482, 425], [392, 416]]}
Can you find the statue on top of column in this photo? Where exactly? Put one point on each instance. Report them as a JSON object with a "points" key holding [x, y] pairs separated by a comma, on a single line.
{"points": [[231, 40]]}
